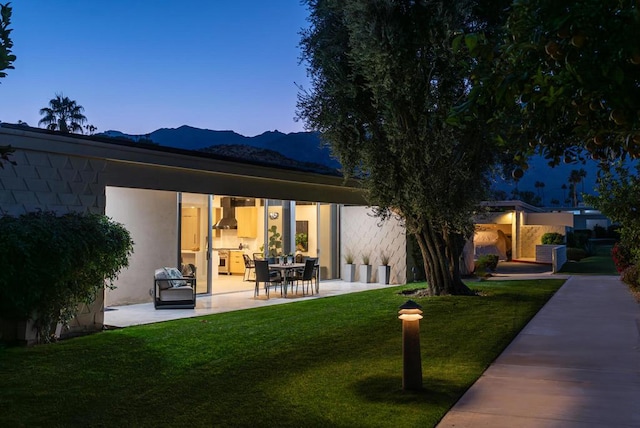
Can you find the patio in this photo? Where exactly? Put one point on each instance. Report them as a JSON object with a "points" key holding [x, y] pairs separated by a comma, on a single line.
{"points": [[124, 316]]}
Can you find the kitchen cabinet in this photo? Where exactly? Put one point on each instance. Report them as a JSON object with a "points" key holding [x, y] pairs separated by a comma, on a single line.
{"points": [[247, 218], [236, 262], [190, 234], [216, 216]]}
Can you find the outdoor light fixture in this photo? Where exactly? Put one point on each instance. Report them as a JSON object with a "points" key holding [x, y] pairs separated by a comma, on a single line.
{"points": [[411, 314], [273, 215]]}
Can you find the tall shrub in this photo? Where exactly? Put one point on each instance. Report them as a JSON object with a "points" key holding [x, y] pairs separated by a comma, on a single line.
{"points": [[50, 264]]}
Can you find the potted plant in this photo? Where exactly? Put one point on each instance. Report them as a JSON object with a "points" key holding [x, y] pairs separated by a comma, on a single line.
{"points": [[275, 243], [349, 271], [302, 240], [384, 270], [365, 269]]}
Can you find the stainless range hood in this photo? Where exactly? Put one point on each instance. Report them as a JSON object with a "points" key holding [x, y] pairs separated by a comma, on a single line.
{"points": [[228, 220]]}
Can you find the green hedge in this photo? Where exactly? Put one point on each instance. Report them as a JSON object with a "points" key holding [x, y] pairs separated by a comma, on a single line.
{"points": [[576, 254], [50, 264], [552, 238]]}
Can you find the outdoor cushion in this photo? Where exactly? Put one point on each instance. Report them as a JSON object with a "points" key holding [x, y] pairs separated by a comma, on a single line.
{"points": [[175, 294], [177, 275], [162, 274]]}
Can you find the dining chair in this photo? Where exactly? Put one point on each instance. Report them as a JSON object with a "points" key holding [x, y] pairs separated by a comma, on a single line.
{"points": [[248, 267], [307, 277], [263, 275]]}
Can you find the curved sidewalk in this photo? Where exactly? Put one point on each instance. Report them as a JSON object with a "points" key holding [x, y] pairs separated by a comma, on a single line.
{"points": [[576, 364]]}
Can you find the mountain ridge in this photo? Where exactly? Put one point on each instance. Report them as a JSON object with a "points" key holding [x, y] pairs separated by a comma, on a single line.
{"points": [[301, 146]]}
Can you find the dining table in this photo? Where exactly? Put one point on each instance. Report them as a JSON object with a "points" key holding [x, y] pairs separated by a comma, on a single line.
{"points": [[285, 269]]}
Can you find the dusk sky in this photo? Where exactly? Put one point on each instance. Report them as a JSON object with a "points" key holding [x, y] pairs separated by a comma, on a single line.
{"points": [[139, 65]]}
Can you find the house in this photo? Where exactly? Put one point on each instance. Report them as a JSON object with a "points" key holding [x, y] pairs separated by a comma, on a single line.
{"points": [[187, 208], [513, 229]]}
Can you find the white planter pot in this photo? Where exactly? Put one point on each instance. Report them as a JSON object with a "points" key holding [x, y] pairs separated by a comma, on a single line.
{"points": [[365, 273], [384, 273], [349, 273]]}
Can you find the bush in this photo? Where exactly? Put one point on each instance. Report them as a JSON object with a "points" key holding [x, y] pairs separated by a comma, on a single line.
{"points": [[576, 254], [552, 238], [50, 264], [486, 262], [631, 276], [578, 238], [600, 232], [622, 256]]}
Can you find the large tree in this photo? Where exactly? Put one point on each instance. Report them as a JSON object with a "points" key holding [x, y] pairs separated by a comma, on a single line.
{"points": [[385, 77], [569, 72], [6, 62], [63, 114], [619, 198]]}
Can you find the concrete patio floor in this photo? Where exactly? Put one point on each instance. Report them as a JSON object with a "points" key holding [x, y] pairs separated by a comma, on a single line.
{"points": [[124, 316]]}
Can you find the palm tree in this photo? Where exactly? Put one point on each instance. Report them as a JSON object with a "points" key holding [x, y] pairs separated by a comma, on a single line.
{"points": [[574, 178], [63, 115], [583, 174], [564, 194], [539, 185]]}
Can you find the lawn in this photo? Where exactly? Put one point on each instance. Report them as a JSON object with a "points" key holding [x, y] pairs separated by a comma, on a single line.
{"points": [[326, 362], [600, 263]]}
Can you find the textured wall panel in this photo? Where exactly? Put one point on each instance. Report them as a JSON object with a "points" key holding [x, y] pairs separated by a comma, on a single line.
{"points": [[362, 233], [530, 236], [51, 182]]}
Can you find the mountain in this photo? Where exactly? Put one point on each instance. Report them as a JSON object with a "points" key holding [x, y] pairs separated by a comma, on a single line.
{"points": [[301, 146], [249, 153]]}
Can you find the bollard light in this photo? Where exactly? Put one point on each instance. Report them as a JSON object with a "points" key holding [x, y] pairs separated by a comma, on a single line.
{"points": [[411, 314]]}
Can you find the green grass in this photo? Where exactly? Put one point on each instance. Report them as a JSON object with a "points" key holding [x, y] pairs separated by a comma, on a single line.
{"points": [[600, 263], [326, 362]]}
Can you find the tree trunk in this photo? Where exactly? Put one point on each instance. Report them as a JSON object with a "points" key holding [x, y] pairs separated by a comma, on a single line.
{"points": [[441, 256]]}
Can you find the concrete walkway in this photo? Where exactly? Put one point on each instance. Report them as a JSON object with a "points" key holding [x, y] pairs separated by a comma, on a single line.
{"points": [[575, 365]]}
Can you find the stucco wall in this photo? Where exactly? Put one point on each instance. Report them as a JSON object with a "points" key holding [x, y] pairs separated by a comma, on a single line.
{"points": [[151, 218], [362, 233]]}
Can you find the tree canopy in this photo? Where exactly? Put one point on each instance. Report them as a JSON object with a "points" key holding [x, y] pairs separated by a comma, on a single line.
{"points": [[6, 44], [567, 77], [63, 114], [384, 79], [619, 199], [6, 62]]}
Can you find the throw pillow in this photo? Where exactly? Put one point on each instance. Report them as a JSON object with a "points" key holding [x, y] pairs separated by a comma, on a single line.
{"points": [[178, 280]]}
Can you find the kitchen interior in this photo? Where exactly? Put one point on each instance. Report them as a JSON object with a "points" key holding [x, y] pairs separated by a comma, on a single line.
{"points": [[234, 232], [237, 229]]}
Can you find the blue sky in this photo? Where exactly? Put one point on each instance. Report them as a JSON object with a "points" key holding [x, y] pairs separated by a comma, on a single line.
{"points": [[139, 65]]}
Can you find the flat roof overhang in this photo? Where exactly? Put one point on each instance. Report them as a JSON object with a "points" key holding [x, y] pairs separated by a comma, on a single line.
{"points": [[161, 168]]}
